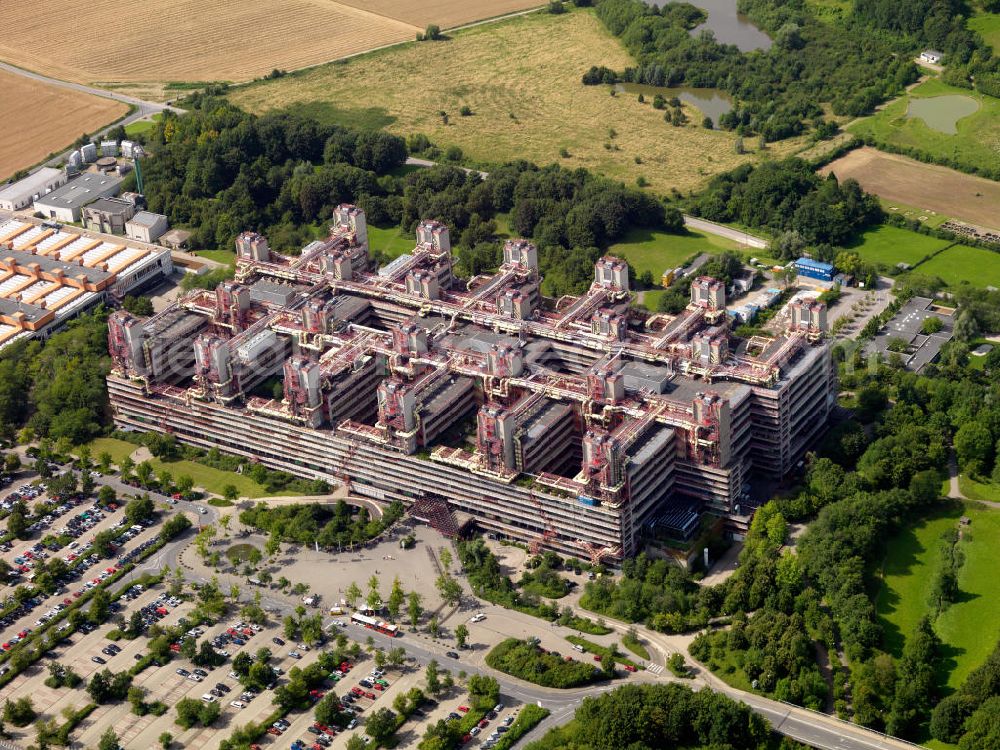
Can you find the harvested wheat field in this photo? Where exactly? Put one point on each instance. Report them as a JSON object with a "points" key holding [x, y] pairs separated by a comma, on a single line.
{"points": [[445, 13], [521, 79], [897, 178], [40, 118], [188, 40]]}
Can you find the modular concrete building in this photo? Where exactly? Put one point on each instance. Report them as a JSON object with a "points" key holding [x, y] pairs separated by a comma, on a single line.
{"points": [[146, 226], [48, 275], [108, 215], [67, 202], [574, 424], [22, 193]]}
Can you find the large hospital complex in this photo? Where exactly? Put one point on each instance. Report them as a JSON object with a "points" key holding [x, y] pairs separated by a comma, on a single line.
{"points": [[582, 425]]}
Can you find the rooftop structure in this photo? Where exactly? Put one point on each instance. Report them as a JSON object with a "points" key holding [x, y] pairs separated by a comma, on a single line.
{"points": [[48, 275], [108, 215], [22, 193], [572, 424], [66, 202]]}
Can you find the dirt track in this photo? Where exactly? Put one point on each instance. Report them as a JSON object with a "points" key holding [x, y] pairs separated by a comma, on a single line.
{"points": [[897, 178]]}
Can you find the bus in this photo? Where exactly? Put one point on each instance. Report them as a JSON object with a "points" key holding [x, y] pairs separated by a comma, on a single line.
{"points": [[373, 623]]}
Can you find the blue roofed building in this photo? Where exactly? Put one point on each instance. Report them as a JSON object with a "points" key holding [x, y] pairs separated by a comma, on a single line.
{"points": [[815, 269]]}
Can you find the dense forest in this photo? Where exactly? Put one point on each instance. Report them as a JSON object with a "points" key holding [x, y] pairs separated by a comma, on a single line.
{"points": [[853, 65], [221, 171], [788, 195], [649, 717], [56, 388]]}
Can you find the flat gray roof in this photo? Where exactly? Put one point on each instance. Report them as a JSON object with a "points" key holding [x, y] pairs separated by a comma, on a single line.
{"points": [[147, 219], [111, 206], [12, 307], [77, 193]]}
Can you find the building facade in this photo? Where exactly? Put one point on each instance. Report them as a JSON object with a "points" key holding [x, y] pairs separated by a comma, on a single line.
{"points": [[574, 425], [21, 194]]}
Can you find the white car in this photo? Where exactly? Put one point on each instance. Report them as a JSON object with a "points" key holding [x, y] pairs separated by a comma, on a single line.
{"points": [[195, 677], [202, 510], [208, 698], [238, 704], [478, 617]]}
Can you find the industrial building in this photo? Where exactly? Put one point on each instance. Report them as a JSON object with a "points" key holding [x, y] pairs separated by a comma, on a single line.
{"points": [[67, 202], [48, 275], [581, 424], [22, 193]]}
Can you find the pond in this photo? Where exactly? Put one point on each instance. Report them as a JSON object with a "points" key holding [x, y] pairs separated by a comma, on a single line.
{"points": [[942, 113], [728, 26], [710, 102]]}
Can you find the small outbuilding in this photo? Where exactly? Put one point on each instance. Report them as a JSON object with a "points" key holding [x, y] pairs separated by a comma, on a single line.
{"points": [[931, 56]]}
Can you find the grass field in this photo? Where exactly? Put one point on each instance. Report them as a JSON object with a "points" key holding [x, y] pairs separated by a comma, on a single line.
{"points": [[971, 626], [889, 245], [958, 264], [227, 257], [975, 145], [655, 252], [521, 78], [979, 490], [142, 126], [118, 449], [212, 480], [899, 179], [988, 27], [391, 242], [40, 119]]}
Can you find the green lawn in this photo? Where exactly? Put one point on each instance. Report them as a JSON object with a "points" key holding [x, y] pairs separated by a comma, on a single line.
{"points": [[392, 242], [118, 449], [212, 480], [970, 627], [961, 263], [889, 245], [653, 251], [227, 257], [928, 218], [988, 27], [978, 490], [142, 126], [974, 146]]}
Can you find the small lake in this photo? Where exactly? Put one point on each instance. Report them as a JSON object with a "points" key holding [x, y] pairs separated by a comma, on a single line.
{"points": [[728, 26], [942, 113], [710, 102]]}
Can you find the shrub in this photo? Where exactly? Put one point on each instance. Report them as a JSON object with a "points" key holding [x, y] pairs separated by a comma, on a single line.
{"points": [[524, 659]]}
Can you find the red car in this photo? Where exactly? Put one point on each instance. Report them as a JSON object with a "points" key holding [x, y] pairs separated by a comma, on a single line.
{"points": [[6, 646], [597, 657], [67, 602], [274, 730], [175, 647], [345, 666], [77, 594], [370, 695], [378, 687], [110, 570], [464, 709], [321, 727], [484, 723], [465, 738], [357, 691], [629, 668]]}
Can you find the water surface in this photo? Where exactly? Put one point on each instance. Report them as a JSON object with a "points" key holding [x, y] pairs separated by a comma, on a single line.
{"points": [[728, 26], [942, 113], [710, 102]]}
